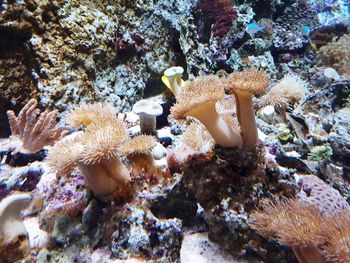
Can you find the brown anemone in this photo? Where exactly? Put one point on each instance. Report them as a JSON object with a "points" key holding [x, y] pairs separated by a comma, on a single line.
{"points": [[294, 223], [99, 161], [198, 100], [139, 151], [243, 85]]}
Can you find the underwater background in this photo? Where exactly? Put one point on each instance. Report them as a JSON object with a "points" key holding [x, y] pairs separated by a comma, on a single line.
{"points": [[174, 131]]}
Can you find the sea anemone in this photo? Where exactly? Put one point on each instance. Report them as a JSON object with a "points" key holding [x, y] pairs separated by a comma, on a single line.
{"points": [[198, 138], [336, 236], [86, 113], [99, 160], [198, 100], [139, 151], [295, 224], [62, 157], [316, 225], [243, 85], [290, 89]]}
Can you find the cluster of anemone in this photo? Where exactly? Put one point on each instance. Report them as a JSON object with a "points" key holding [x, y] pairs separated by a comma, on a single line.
{"points": [[199, 98], [97, 150]]}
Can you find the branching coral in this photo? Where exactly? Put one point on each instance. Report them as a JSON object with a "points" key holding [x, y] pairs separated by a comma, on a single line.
{"points": [[290, 89], [243, 85], [85, 114], [336, 55], [198, 100], [30, 132]]}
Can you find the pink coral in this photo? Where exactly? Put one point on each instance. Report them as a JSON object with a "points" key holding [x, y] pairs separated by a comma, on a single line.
{"points": [[30, 132]]}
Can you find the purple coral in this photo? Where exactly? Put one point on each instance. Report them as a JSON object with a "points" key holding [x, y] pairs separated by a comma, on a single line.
{"points": [[220, 13]]}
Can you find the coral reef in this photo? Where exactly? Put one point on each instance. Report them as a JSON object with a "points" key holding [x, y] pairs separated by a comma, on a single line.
{"points": [[240, 151]]}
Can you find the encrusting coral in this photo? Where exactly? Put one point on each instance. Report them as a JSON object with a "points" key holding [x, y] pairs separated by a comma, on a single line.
{"points": [[198, 100], [317, 192], [88, 113], [290, 89], [30, 132], [243, 85]]}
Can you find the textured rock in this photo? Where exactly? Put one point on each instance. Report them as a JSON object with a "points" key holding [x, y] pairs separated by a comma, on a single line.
{"points": [[140, 234], [19, 179], [175, 202], [228, 186], [68, 51], [198, 248]]}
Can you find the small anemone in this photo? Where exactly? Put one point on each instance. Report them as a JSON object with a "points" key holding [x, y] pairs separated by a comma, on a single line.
{"points": [[138, 150], [102, 140], [142, 144], [198, 138], [62, 157], [290, 89]]}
